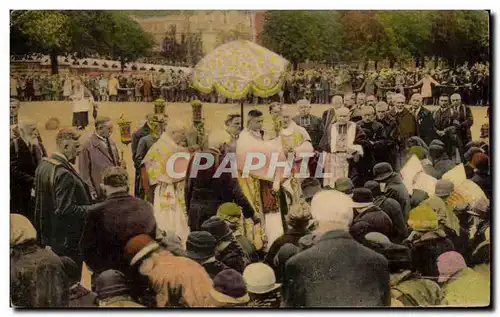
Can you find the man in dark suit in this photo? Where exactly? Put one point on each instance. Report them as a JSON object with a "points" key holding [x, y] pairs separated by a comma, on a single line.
{"points": [[23, 163], [143, 131], [463, 120], [98, 153], [391, 126], [407, 127], [61, 198], [375, 134], [337, 271], [113, 222], [446, 127], [425, 120], [311, 123]]}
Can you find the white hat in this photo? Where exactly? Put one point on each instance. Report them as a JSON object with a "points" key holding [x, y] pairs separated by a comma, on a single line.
{"points": [[260, 278]]}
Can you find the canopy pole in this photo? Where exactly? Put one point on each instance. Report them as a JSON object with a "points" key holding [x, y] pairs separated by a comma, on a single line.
{"points": [[241, 112]]}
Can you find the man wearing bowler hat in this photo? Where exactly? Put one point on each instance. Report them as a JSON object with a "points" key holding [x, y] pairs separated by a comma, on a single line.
{"points": [[391, 184], [367, 217]]}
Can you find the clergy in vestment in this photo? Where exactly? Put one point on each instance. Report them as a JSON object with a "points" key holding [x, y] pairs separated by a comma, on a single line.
{"points": [[262, 190], [168, 179], [341, 142]]}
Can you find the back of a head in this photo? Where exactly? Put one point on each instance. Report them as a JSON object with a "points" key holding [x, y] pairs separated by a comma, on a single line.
{"points": [[21, 230], [339, 215], [374, 186], [101, 120], [287, 251], [481, 161], [66, 134], [115, 177], [111, 283], [298, 216]]}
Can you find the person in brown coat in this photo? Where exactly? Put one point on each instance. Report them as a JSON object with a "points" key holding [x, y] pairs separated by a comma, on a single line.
{"points": [[97, 154], [407, 127]]}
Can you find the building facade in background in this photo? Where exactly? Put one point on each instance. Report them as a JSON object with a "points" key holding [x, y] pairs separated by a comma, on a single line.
{"points": [[215, 27]]}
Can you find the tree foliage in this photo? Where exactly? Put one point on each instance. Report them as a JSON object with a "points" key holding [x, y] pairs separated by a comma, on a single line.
{"points": [[126, 40], [79, 33], [302, 35], [455, 36]]}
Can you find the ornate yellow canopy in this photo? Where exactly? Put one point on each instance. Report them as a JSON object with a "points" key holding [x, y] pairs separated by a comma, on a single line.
{"points": [[236, 68]]}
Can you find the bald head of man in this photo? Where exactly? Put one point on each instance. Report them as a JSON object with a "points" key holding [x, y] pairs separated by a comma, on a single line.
{"points": [[337, 102], [342, 114]]}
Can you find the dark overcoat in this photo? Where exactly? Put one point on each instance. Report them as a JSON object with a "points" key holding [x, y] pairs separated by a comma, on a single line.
{"points": [[393, 209], [37, 278], [62, 199], [397, 190], [371, 220], [336, 272], [425, 123], [142, 149], [110, 225], [204, 193], [136, 137], [23, 164]]}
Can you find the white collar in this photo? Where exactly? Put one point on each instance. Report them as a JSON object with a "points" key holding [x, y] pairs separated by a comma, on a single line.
{"points": [[100, 137]]}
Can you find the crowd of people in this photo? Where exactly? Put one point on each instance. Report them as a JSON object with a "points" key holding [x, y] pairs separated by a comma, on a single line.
{"points": [[130, 87], [355, 231], [317, 85]]}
